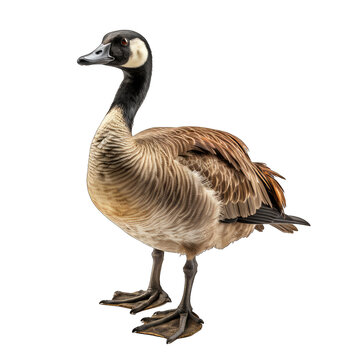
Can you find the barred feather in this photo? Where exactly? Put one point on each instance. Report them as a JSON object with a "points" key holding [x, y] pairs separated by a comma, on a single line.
{"points": [[183, 189]]}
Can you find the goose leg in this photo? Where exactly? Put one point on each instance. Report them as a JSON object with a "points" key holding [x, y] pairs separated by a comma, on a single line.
{"points": [[141, 300], [176, 323]]}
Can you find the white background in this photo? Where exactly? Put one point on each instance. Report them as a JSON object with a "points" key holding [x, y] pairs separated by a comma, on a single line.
{"points": [[283, 76]]}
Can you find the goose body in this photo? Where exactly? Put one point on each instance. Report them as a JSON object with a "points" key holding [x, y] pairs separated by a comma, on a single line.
{"points": [[182, 190], [145, 187]]}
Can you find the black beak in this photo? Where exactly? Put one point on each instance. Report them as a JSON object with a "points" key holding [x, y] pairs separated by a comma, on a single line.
{"points": [[101, 55]]}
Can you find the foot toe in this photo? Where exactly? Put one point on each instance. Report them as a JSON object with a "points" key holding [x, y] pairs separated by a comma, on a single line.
{"points": [[181, 329], [137, 329], [146, 319], [104, 302], [194, 317]]}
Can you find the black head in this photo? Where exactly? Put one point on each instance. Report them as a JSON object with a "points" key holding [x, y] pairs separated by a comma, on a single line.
{"points": [[123, 49]]}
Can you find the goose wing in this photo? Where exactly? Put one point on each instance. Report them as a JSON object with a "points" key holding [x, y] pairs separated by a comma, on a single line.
{"points": [[222, 160]]}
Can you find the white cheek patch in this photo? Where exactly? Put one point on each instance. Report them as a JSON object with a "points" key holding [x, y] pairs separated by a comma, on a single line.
{"points": [[138, 54]]}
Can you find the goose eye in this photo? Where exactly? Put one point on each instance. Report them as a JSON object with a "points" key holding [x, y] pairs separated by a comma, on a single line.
{"points": [[124, 42]]}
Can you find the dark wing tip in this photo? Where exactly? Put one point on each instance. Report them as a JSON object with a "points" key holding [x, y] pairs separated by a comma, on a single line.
{"points": [[268, 215], [298, 220]]}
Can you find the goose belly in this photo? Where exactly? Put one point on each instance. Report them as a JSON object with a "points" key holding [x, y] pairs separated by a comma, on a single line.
{"points": [[176, 217]]}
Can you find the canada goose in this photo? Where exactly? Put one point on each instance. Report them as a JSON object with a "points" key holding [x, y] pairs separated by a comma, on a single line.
{"points": [[183, 190]]}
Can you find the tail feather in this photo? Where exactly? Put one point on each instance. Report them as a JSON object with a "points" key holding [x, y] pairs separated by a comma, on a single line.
{"points": [[269, 215]]}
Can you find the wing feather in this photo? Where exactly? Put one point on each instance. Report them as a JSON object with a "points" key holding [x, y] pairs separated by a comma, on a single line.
{"points": [[222, 160]]}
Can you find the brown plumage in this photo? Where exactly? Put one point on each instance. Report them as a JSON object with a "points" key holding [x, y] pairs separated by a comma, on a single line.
{"points": [[183, 190], [171, 187]]}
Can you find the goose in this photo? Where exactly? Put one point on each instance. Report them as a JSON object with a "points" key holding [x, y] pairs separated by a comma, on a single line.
{"points": [[176, 189]]}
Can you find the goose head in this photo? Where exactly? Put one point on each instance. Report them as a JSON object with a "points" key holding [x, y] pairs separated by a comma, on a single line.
{"points": [[123, 49]]}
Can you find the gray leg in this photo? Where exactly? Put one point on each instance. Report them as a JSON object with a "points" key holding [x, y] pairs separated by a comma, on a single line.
{"points": [[177, 323], [158, 258], [141, 300]]}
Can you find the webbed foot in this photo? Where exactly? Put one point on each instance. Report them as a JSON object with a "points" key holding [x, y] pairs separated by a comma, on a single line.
{"points": [[171, 324], [139, 300]]}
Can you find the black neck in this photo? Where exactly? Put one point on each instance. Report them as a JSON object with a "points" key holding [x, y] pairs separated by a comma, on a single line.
{"points": [[132, 91]]}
